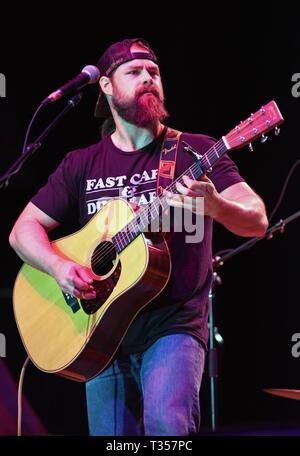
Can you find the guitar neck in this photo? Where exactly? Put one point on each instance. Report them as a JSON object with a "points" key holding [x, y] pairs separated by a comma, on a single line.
{"points": [[153, 211]]}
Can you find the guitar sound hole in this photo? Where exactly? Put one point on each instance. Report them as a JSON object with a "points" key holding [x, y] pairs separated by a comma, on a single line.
{"points": [[103, 258]]}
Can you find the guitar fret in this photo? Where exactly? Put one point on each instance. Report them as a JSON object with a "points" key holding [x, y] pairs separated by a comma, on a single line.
{"points": [[192, 174], [163, 202], [216, 152], [152, 212], [155, 205], [143, 215], [120, 243], [206, 158], [126, 235]]}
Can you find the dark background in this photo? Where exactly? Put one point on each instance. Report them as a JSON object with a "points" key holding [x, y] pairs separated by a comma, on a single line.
{"points": [[217, 67]]}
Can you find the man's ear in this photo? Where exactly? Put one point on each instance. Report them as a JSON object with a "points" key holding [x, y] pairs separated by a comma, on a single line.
{"points": [[105, 84]]}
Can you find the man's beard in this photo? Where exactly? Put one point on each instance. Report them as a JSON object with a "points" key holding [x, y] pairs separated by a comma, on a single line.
{"points": [[144, 110]]}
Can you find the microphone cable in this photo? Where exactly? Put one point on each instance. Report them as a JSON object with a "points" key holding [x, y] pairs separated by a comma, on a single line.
{"points": [[276, 207], [20, 387]]}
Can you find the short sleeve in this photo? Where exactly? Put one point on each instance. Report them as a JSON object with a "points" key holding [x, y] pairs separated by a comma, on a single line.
{"points": [[59, 197], [225, 173]]}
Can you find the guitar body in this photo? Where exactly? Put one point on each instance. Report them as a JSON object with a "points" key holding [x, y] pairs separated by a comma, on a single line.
{"points": [[78, 341]]}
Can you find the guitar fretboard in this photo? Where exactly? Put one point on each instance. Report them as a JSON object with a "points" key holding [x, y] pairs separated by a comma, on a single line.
{"points": [[153, 211]]}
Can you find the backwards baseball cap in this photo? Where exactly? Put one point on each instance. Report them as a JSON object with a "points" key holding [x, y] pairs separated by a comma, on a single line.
{"points": [[114, 56]]}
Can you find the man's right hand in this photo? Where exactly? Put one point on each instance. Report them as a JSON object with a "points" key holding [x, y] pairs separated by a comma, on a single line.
{"points": [[29, 238], [74, 279]]}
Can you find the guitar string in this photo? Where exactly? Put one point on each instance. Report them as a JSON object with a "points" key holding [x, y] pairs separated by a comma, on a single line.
{"points": [[218, 146], [123, 236], [96, 260]]}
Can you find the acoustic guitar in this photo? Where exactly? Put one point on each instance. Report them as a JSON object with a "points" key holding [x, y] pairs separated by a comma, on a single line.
{"points": [[77, 338]]}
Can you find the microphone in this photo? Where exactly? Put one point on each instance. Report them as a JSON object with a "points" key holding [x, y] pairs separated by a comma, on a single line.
{"points": [[89, 75]]}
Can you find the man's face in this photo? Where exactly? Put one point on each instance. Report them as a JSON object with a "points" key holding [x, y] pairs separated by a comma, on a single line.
{"points": [[137, 93]]}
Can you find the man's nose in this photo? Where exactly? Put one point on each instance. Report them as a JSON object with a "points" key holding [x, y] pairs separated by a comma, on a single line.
{"points": [[147, 78]]}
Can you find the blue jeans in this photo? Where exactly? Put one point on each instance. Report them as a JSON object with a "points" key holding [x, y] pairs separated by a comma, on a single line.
{"points": [[155, 392]]}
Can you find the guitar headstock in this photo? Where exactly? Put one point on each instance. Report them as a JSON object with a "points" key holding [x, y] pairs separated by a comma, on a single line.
{"points": [[264, 120]]}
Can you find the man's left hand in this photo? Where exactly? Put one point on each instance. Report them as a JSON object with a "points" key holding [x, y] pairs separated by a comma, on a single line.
{"points": [[191, 191]]}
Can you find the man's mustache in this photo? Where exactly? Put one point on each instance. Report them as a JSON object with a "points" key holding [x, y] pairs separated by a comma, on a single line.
{"points": [[148, 90]]}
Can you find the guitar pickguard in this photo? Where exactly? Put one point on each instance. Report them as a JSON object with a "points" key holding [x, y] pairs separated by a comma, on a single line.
{"points": [[103, 288]]}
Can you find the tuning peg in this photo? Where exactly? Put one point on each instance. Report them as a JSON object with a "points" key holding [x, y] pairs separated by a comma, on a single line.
{"points": [[263, 138], [277, 131], [251, 147]]}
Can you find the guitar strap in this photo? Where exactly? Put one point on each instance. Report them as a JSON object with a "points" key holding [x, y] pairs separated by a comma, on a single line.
{"points": [[167, 161]]}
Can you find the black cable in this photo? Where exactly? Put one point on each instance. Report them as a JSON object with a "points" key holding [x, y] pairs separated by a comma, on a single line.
{"points": [[294, 166], [276, 207]]}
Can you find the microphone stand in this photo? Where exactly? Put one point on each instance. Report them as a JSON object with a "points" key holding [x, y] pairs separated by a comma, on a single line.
{"points": [[216, 280], [212, 354], [4, 180], [279, 226]]}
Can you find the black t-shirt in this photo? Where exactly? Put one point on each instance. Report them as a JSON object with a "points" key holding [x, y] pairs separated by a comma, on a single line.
{"points": [[87, 178]]}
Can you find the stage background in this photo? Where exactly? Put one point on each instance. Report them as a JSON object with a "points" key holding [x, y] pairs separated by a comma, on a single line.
{"points": [[217, 68]]}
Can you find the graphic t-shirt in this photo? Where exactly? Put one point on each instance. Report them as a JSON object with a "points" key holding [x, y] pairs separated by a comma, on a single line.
{"points": [[87, 178]]}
